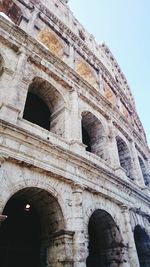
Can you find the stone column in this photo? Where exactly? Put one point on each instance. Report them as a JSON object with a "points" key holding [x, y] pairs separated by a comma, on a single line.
{"points": [[75, 123], [100, 81], [79, 244], [33, 17], [71, 59], [131, 248], [9, 109], [113, 152]]}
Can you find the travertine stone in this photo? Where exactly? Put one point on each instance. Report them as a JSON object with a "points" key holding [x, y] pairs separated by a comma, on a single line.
{"points": [[71, 141]]}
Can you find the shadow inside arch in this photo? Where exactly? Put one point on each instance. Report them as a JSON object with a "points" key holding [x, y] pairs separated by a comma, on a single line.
{"points": [[34, 219]]}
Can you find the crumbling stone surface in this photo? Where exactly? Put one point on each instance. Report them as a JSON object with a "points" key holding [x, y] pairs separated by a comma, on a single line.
{"points": [[74, 161]]}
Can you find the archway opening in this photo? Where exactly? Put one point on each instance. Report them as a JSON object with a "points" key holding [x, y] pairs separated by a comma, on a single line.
{"points": [[86, 139], [93, 135], [144, 172], [105, 242], [40, 114], [142, 242], [27, 235], [45, 106], [124, 157]]}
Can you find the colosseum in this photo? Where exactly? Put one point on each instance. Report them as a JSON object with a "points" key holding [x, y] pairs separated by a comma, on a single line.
{"points": [[74, 160]]}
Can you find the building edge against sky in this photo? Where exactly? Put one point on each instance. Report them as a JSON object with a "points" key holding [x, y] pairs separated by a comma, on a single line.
{"points": [[77, 172], [126, 38]]}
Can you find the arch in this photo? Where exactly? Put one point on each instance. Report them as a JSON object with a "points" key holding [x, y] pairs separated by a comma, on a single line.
{"points": [[51, 41], [105, 241], [44, 105], [86, 72], [144, 172], [30, 232], [142, 242], [93, 134], [124, 156]]}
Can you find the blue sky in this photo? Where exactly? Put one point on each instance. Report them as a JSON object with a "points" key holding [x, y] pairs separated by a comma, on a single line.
{"points": [[125, 28]]}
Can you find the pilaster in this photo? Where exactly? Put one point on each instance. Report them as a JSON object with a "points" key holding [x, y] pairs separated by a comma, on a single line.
{"points": [[132, 252], [79, 244]]}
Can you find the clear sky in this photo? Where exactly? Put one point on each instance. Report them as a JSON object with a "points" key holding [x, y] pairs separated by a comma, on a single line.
{"points": [[124, 25]]}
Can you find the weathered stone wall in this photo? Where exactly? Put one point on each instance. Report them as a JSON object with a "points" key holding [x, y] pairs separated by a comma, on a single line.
{"points": [[52, 166]]}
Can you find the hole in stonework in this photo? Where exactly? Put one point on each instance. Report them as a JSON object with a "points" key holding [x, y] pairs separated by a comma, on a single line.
{"points": [[36, 111], [93, 135], [45, 106], [144, 172], [104, 249], [86, 139], [124, 156], [142, 242], [25, 235]]}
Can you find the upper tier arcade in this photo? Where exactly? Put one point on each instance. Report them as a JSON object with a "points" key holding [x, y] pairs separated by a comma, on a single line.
{"points": [[47, 42], [53, 25]]}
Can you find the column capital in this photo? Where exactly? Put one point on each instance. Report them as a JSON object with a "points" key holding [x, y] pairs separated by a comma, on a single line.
{"points": [[78, 188]]}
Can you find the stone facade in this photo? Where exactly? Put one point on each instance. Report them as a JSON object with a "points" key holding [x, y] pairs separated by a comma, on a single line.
{"points": [[74, 160]]}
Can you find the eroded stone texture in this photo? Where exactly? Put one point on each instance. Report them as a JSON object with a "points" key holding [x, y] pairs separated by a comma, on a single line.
{"points": [[74, 160]]}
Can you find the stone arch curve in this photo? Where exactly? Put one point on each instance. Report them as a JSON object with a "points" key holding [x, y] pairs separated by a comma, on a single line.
{"points": [[98, 115], [39, 184], [35, 224], [113, 249], [44, 97], [51, 95], [94, 135], [100, 206], [142, 243], [33, 72]]}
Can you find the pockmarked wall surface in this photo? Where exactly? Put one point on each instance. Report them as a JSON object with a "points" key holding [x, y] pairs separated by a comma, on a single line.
{"points": [[74, 159]]}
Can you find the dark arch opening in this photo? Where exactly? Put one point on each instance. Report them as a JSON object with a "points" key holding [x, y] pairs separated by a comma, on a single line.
{"points": [[124, 157], [105, 243], [20, 236], [93, 135], [144, 172], [86, 139], [36, 111], [45, 106], [26, 235], [142, 242]]}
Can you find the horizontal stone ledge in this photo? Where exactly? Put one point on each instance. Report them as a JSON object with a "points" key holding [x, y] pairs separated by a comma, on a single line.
{"points": [[62, 232]]}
